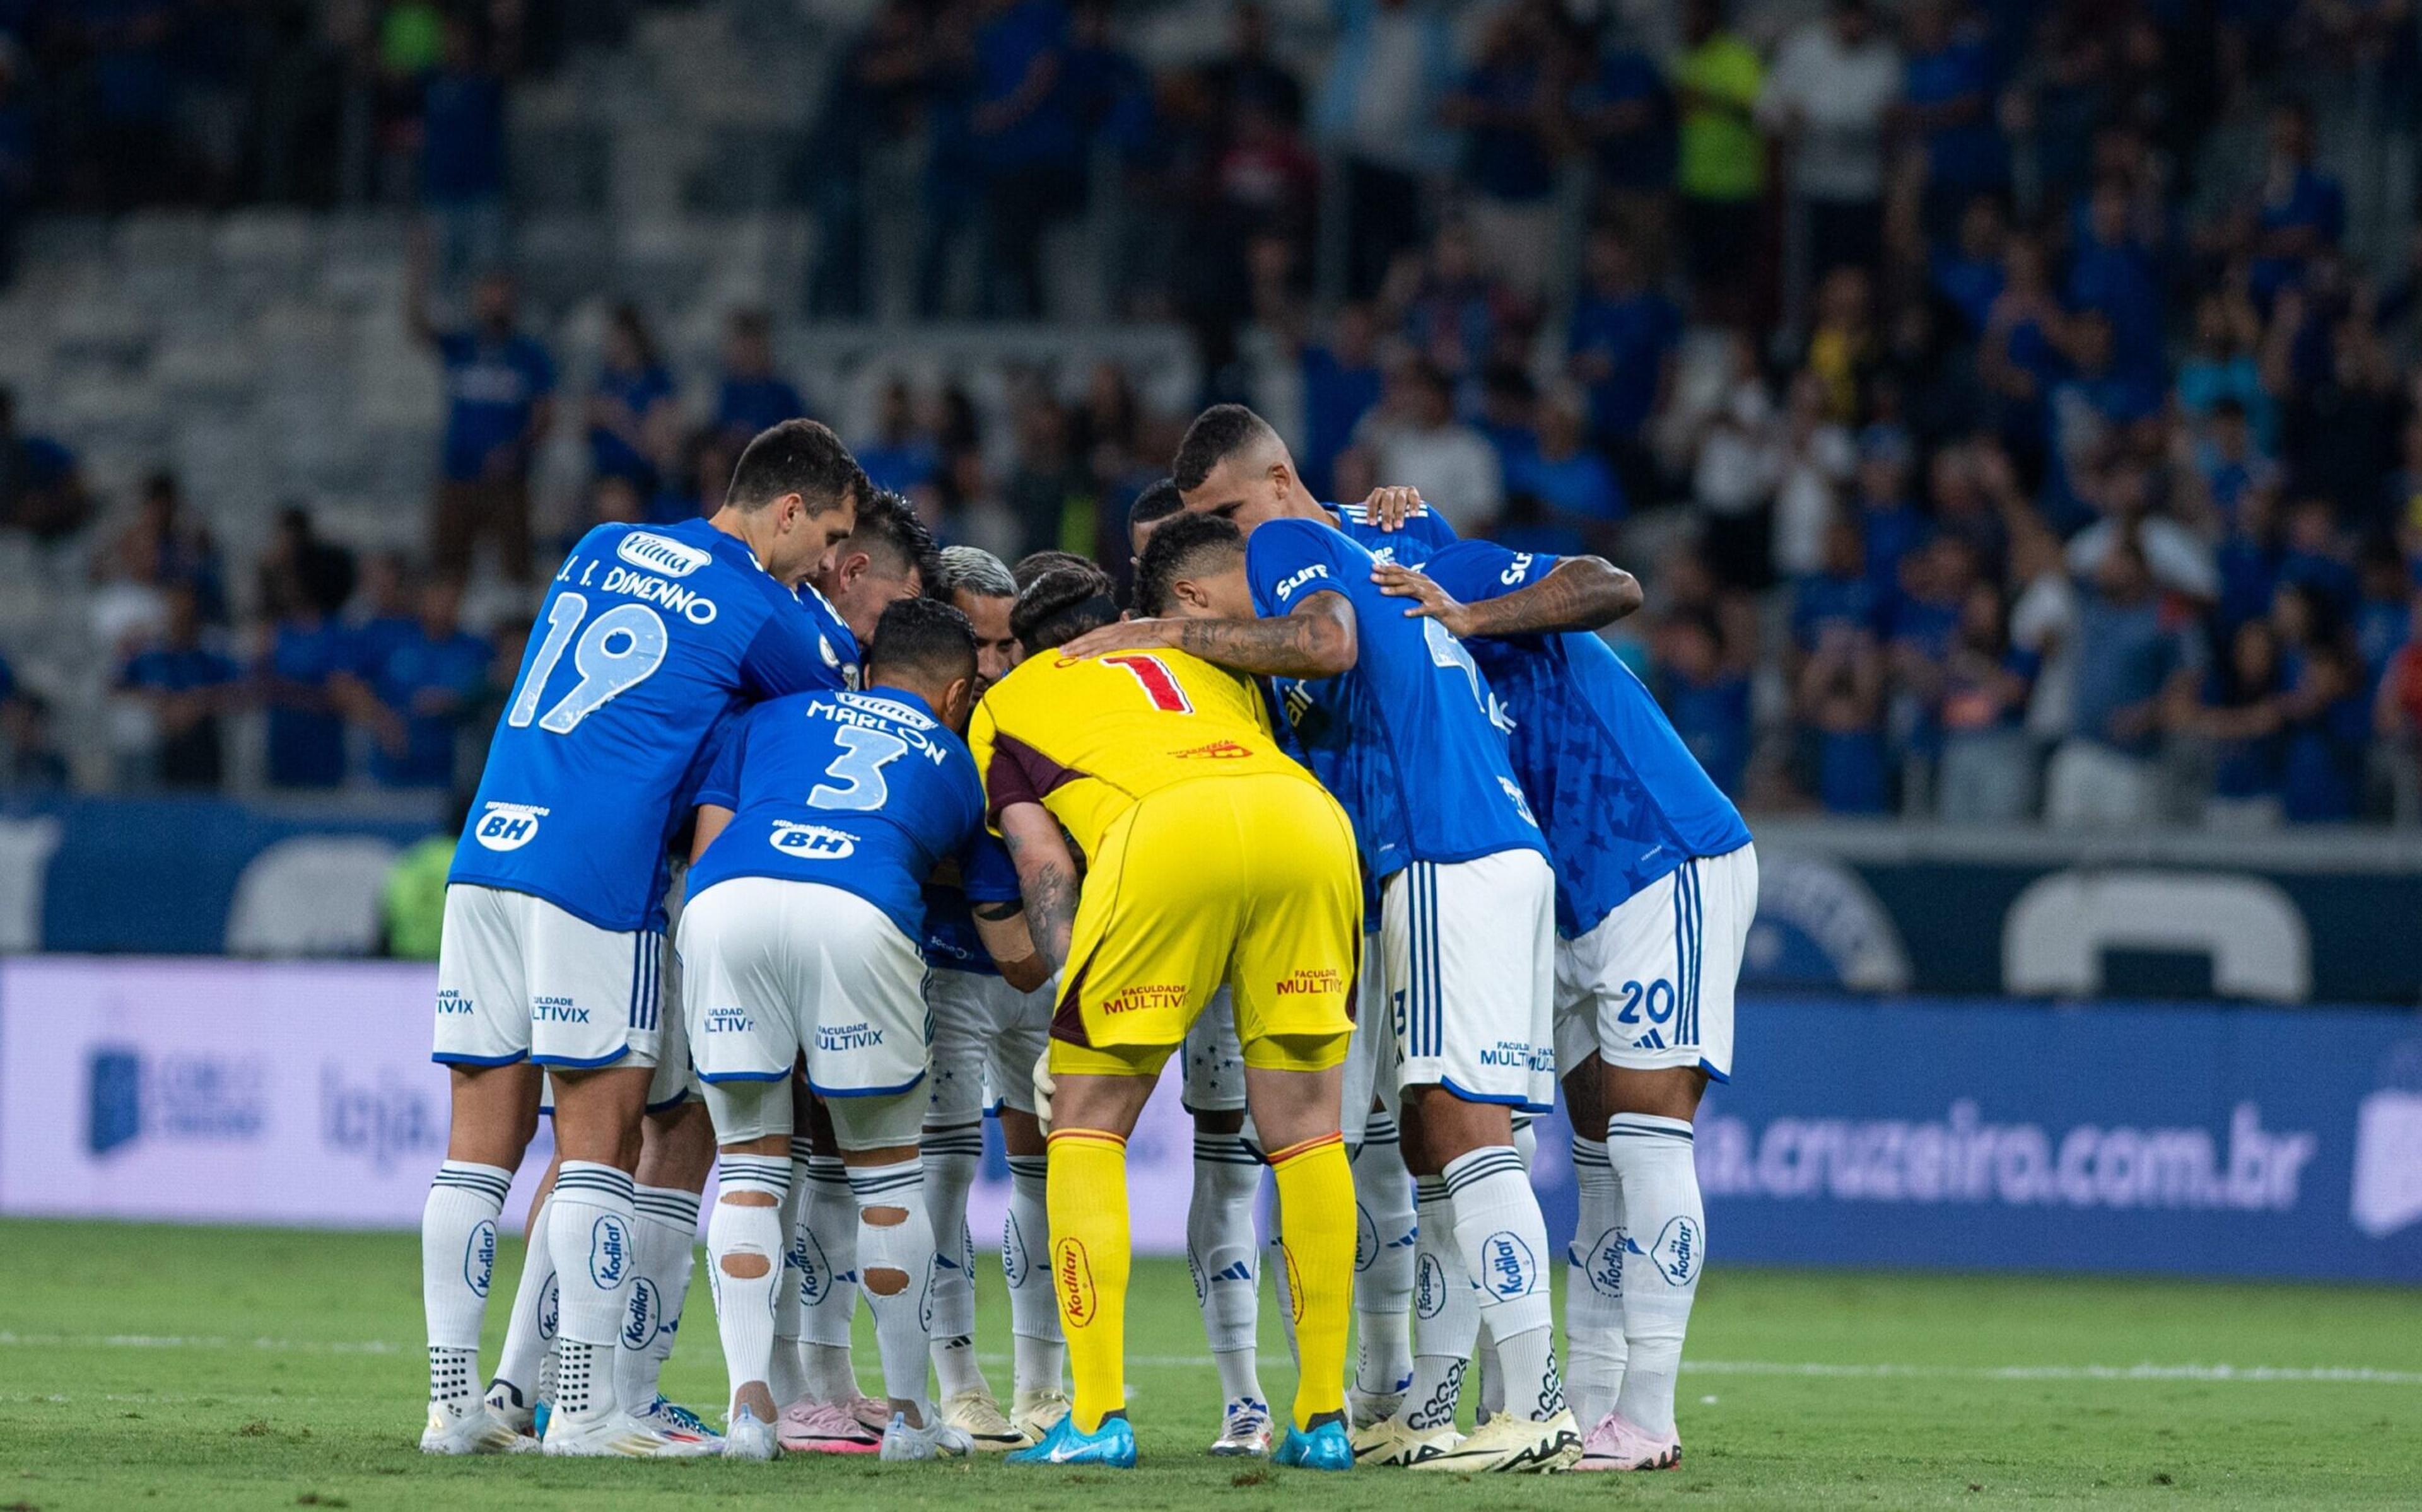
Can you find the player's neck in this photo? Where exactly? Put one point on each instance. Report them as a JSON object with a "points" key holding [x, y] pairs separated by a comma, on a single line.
{"points": [[1300, 504], [735, 523]]}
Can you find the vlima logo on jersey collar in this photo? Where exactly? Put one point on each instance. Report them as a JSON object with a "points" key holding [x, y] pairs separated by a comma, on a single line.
{"points": [[661, 553]]}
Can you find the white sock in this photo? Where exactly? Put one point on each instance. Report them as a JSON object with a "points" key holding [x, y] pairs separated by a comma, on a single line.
{"points": [[828, 1290], [1383, 1262], [590, 1226], [1503, 1240], [1668, 1231], [951, 1157], [1224, 1256], [1448, 1311], [666, 1221], [1594, 1347], [789, 1379], [1041, 1352], [458, 1263], [745, 1306], [905, 1247], [529, 1332]]}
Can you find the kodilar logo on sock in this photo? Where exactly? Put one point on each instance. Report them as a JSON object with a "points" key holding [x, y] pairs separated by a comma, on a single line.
{"points": [[1294, 1280], [1073, 1270], [1606, 1264], [1429, 1287], [1366, 1239], [550, 1306], [609, 1252], [1677, 1253], [479, 1257], [646, 1315], [1512, 1269], [1012, 1255], [815, 1271]]}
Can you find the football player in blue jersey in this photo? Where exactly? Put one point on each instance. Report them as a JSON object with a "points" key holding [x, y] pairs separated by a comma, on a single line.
{"points": [[824, 817], [884, 560], [991, 1020], [1399, 724], [1656, 885], [553, 953]]}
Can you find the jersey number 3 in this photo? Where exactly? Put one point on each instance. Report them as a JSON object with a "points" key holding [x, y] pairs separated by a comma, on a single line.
{"points": [[1159, 684], [621, 648]]}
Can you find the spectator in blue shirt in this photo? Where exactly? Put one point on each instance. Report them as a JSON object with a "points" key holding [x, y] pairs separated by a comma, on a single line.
{"points": [[2128, 658], [753, 396], [2238, 710], [1707, 699], [1988, 770], [463, 157], [1950, 96], [1626, 114], [423, 695], [1341, 384], [387, 612], [2325, 713], [1622, 345], [1501, 105], [41, 489], [186, 687], [901, 457], [2113, 274], [2301, 210], [1028, 142], [2222, 364], [632, 409], [499, 388], [1966, 273], [309, 654], [1841, 600], [1575, 489]]}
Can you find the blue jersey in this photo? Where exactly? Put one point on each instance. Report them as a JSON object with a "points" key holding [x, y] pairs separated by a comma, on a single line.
{"points": [[1621, 798], [863, 791], [985, 875], [648, 640], [1422, 536], [837, 647], [1405, 741]]}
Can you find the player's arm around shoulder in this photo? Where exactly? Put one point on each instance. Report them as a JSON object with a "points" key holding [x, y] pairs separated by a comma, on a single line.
{"points": [[1477, 588]]}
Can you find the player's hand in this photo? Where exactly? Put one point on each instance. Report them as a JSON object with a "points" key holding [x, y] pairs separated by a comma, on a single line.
{"points": [[1390, 505], [1126, 635], [1430, 601], [1044, 1087]]}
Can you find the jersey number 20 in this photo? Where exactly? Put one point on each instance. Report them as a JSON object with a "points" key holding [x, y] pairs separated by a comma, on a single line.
{"points": [[621, 648]]}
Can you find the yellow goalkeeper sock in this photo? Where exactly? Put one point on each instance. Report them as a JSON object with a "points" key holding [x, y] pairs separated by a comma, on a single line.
{"points": [[1316, 1218], [1088, 1196]]}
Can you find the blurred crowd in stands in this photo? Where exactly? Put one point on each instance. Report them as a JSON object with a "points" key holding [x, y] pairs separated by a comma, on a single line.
{"points": [[2015, 410]]}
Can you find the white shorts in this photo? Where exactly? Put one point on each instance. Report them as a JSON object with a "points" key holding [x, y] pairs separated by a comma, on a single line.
{"points": [[1651, 985], [1469, 947], [982, 1026], [519, 978], [777, 969], [1215, 1060], [1369, 1048]]}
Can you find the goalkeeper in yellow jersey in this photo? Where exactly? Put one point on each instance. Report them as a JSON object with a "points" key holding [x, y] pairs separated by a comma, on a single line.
{"points": [[1209, 857]]}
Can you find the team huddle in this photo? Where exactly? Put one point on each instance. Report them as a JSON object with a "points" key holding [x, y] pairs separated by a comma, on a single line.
{"points": [[803, 845]]}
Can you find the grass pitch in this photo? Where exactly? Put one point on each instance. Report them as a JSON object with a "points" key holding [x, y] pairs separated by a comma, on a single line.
{"points": [[194, 1368]]}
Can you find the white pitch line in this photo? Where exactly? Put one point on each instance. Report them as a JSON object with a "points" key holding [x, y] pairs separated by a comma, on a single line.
{"points": [[2247, 1375]]}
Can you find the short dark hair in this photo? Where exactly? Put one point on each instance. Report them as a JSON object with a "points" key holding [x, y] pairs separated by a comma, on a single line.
{"points": [[1034, 564], [1157, 502], [1062, 604], [888, 522], [1217, 435], [801, 457], [926, 635], [971, 568], [1181, 548]]}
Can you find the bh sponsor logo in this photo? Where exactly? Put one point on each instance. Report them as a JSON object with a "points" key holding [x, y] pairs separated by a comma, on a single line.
{"points": [[479, 1257], [661, 553], [1071, 1270], [130, 1096], [812, 842], [1508, 1268], [1288, 585], [645, 1317], [609, 1252], [2388, 1148], [508, 826], [1675, 1254]]}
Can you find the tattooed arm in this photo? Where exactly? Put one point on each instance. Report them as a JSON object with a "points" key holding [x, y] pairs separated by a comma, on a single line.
{"points": [[1047, 875], [1316, 640], [1001, 927], [1581, 593]]}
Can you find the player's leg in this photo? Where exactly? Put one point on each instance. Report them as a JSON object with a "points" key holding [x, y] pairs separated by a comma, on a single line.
{"points": [[1660, 1053], [1478, 1044], [677, 1151], [1383, 1195], [525, 1374], [743, 1251], [1297, 1105], [1220, 1249], [1594, 1347], [1492, 1370], [964, 1013], [484, 1033], [1039, 1354], [597, 1003], [832, 1414]]}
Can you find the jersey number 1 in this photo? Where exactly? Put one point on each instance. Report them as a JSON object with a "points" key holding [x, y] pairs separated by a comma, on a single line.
{"points": [[621, 648], [1159, 684]]}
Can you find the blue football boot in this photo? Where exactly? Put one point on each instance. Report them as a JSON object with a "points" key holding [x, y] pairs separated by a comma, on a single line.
{"points": [[1111, 1445], [1325, 1446]]}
